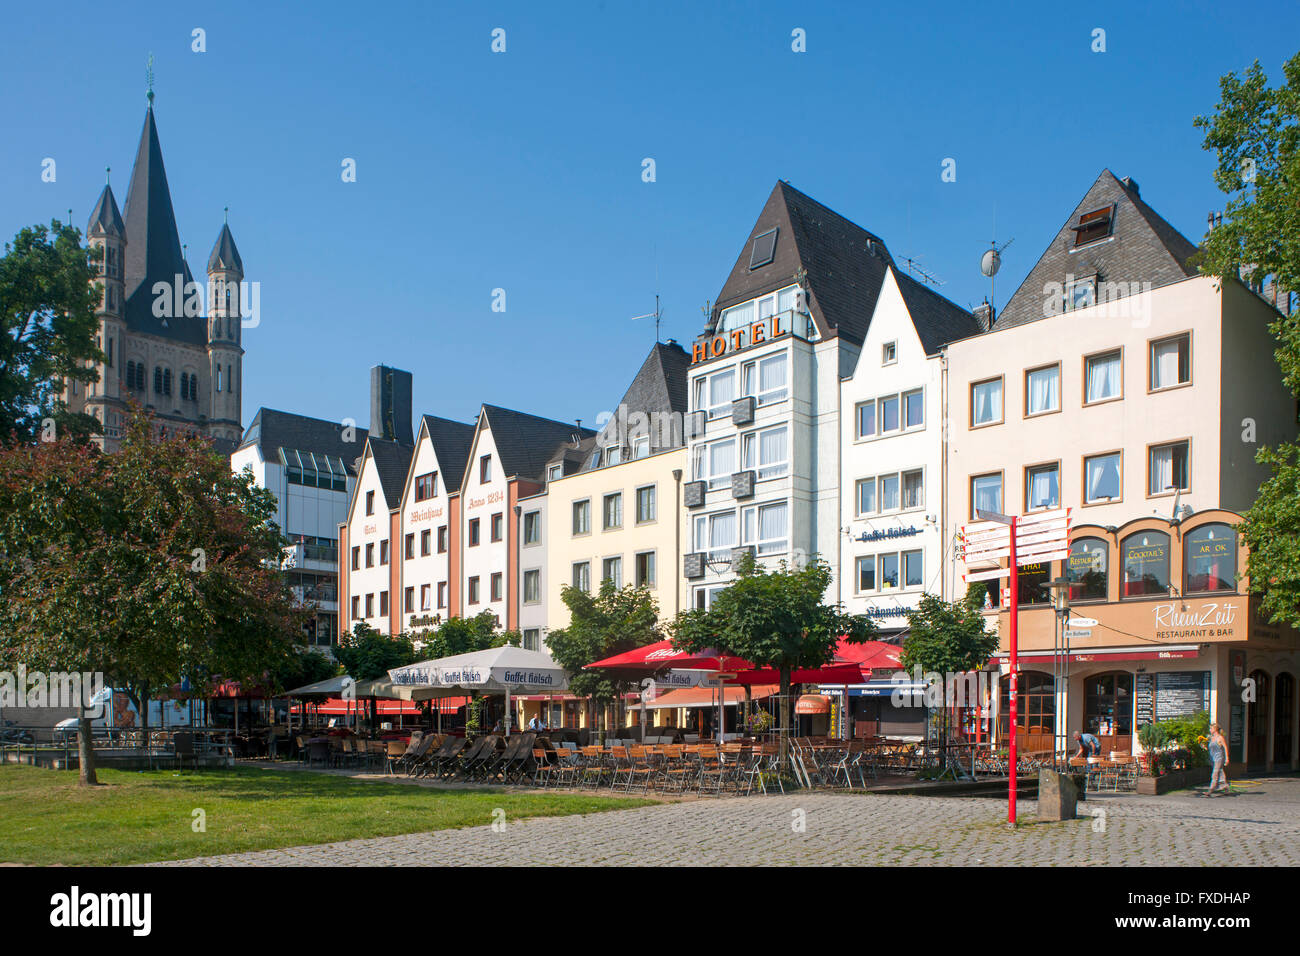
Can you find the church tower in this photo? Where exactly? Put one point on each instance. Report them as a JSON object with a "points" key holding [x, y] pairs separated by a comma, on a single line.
{"points": [[225, 272], [107, 234]]}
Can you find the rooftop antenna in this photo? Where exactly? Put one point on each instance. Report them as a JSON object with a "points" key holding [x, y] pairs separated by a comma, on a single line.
{"points": [[991, 262], [914, 266], [657, 314]]}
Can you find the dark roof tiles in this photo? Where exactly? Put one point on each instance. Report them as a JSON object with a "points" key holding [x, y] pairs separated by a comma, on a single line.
{"points": [[272, 429], [451, 443]]}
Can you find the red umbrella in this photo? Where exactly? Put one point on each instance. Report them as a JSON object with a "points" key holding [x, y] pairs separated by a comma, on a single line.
{"points": [[657, 656]]}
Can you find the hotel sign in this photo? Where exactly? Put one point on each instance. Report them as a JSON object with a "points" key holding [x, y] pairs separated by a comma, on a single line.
{"points": [[764, 330]]}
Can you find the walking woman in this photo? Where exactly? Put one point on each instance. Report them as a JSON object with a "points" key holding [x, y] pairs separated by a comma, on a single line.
{"points": [[1218, 748]]}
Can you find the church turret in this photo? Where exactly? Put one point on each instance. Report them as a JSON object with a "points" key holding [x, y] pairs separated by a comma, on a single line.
{"points": [[107, 233], [225, 272]]}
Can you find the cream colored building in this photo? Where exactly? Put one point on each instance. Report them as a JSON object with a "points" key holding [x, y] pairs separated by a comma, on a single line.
{"points": [[617, 521]]}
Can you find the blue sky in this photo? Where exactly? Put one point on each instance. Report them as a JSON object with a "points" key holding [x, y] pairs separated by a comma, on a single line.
{"points": [[522, 170]]}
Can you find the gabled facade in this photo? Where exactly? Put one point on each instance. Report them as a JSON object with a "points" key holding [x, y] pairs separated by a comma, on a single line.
{"points": [[506, 464], [370, 572], [430, 551], [764, 440], [892, 467]]}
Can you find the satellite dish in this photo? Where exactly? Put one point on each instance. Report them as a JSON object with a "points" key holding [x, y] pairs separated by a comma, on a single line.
{"points": [[990, 262]]}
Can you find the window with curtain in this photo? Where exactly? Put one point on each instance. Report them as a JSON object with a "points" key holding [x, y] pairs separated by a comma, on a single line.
{"points": [[986, 402], [913, 490], [1043, 390], [1144, 556], [581, 516], [1101, 476], [737, 317], [767, 452], [613, 511], [1210, 559], [645, 569], [716, 534], [1168, 468], [1087, 569], [767, 379], [582, 576], [866, 419], [612, 570], [645, 504], [866, 496], [1042, 486], [721, 393], [986, 493], [1171, 361], [767, 527], [715, 463], [1102, 377]]}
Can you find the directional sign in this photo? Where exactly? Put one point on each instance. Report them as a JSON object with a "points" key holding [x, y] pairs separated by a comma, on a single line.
{"points": [[1075, 635], [1083, 622], [1041, 537]]}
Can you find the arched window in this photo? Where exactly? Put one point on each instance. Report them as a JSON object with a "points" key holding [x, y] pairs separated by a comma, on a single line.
{"points": [[167, 381], [1144, 557], [1088, 569], [1108, 704], [157, 380], [1210, 559], [218, 378], [1035, 704], [1257, 712]]}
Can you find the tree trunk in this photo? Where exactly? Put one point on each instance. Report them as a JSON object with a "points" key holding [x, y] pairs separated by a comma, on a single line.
{"points": [[783, 733], [85, 752]]}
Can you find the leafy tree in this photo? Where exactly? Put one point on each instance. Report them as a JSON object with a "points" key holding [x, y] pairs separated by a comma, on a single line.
{"points": [[300, 668], [367, 654], [948, 638], [149, 565], [464, 635], [776, 619], [1255, 133], [47, 330], [612, 621]]}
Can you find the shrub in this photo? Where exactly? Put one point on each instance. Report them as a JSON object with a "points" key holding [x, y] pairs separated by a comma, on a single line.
{"points": [[1153, 737]]}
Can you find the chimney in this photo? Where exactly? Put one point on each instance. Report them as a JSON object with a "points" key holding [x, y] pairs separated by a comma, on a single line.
{"points": [[390, 404], [984, 315], [1131, 184]]}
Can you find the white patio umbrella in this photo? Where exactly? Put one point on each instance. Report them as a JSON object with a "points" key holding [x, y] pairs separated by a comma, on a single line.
{"points": [[498, 670]]}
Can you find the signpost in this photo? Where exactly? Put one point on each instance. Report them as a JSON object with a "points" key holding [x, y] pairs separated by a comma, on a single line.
{"points": [[1032, 539]]}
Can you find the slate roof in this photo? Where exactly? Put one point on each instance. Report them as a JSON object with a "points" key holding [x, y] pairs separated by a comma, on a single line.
{"points": [[224, 253], [106, 220], [272, 429], [525, 443], [844, 263], [937, 320], [451, 443], [1143, 247], [392, 460], [153, 245]]}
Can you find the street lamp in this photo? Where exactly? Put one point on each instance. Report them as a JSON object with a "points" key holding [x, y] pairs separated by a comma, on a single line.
{"points": [[1060, 588]]}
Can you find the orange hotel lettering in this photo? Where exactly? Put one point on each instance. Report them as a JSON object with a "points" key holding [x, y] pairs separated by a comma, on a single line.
{"points": [[755, 334]]}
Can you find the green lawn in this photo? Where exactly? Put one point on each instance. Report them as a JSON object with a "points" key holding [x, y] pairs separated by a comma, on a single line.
{"points": [[139, 817]]}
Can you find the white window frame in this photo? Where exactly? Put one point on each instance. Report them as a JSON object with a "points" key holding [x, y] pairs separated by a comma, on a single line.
{"points": [[764, 547], [704, 393], [751, 374], [751, 447], [703, 460], [702, 534]]}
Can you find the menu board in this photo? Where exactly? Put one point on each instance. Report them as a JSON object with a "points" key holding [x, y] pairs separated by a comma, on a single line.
{"points": [[1143, 699], [1170, 694]]}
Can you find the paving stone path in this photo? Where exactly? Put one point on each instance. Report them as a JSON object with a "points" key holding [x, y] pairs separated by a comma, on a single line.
{"points": [[1259, 826]]}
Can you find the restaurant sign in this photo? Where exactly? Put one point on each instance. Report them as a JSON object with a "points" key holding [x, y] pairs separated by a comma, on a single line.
{"points": [[763, 330], [1210, 620]]}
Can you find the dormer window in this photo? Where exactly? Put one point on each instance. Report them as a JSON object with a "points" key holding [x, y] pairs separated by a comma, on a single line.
{"points": [[613, 455], [554, 472], [889, 353], [1080, 293], [1094, 226], [764, 250]]}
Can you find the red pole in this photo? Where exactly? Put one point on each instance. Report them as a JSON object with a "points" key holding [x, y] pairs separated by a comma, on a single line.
{"points": [[1014, 676]]}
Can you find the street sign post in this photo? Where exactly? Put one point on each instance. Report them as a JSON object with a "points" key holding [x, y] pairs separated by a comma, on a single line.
{"points": [[1032, 539]]}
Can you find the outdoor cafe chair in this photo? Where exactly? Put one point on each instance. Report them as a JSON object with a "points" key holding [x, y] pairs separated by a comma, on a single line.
{"points": [[318, 752], [444, 758], [396, 749]]}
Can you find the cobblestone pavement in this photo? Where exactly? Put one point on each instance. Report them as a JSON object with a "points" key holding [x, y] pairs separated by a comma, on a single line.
{"points": [[1258, 826]]}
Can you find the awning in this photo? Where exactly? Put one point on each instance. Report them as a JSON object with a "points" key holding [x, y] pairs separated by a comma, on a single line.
{"points": [[331, 687], [869, 655], [336, 706], [1105, 654], [830, 674], [653, 657], [558, 698], [510, 670], [704, 697]]}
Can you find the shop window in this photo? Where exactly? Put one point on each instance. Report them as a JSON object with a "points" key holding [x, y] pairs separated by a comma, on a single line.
{"points": [[1144, 556], [1035, 704], [1108, 704], [1210, 559], [1087, 569], [1032, 584]]}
